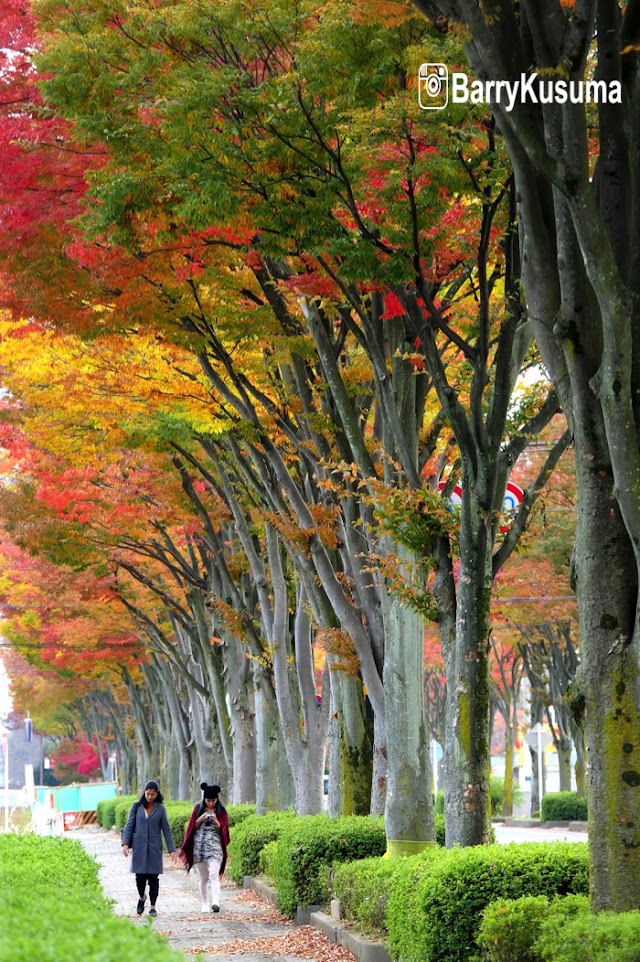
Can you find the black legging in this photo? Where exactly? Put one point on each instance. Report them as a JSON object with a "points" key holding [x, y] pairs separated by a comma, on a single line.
{"points": [[154, 886]]}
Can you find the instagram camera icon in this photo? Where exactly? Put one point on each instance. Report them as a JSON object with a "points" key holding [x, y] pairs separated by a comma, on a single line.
{"points": [[433, 86]]}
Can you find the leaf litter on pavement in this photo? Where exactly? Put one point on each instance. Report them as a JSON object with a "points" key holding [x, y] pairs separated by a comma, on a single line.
{"points": [[303, 941]]}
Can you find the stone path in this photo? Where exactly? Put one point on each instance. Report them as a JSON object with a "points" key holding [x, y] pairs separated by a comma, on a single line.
{"points": [[243, 917]]}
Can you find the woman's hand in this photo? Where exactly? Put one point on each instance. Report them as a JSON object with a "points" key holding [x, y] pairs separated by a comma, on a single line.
{"points": [[125, 850]]}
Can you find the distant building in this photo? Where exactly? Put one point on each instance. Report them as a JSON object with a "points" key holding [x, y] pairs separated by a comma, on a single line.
{"points": [[23, 752]]}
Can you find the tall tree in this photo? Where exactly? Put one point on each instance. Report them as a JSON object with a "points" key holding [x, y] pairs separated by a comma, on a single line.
{"points": [[578, 213]]}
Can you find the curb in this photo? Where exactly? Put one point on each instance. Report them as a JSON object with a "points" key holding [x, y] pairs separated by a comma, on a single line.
{"points": [[522, 822], [365, 950], [570, 826]]}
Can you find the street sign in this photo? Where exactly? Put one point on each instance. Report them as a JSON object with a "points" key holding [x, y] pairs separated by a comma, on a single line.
{"points": [[513, 496], [455, 498], [538, 737]]}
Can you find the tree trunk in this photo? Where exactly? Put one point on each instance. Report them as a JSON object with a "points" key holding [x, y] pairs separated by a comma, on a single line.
{"points": [[409, 805], [274, 784], [334, 794], [242, 720], [536, 787], [301, 719], [609, 682], [467, 758], [580, 769], [507, 803], [564, 764], [353, 745]]}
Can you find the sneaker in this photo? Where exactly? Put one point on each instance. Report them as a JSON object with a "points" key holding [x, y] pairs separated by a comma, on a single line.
{"points": [[152, 911], [215, 908], [204, 907], [140, 906]]}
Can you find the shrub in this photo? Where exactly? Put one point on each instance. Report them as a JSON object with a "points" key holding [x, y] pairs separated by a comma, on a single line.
{"points": [[68, 917], [607, 937], [435, 917], [439, 821], [122, 809], [563, 807], [316, 841], [178, 814], [496, 790], [107, 809], [509, 930], [363, 888], [250, 837], [238, 813], [438, 805], [267, 856]]}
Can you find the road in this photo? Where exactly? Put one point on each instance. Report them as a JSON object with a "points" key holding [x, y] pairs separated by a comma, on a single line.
{"points": [[506, 834]]}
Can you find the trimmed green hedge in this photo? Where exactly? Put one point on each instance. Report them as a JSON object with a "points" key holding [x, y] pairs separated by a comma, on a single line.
{"points": [[313, 844], [122, 809], [435, 917], [607, 937], [239, 813], [107, 809], [535, 929], [178, 814], [563, 807], [53, 908], [267, 856], [364, 887], [250, 837], [510, 929]]}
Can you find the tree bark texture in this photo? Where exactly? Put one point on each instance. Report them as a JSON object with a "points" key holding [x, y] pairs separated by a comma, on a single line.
{"points": [[409, 809]]}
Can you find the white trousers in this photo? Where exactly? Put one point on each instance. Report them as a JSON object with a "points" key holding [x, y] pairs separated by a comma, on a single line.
{"points": [[209, 872]]}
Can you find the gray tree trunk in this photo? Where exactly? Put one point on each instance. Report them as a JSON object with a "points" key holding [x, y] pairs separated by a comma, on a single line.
{"points": [[467, 752], [409, 805], [351, 749], [274, 785], [240, 698]]}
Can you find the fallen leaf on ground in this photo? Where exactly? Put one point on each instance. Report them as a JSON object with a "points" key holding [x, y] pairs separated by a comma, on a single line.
{"points": [[267, 909], [303, 941]]}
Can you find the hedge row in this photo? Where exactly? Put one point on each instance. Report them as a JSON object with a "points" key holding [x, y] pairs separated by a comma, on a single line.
{"points": [[297, 853], [563, 807], [106, 810], [364, 888], [310, 846], [53, 908], [306, 849], [536, 929], [428, 908], [250, 838], [434, 916]]}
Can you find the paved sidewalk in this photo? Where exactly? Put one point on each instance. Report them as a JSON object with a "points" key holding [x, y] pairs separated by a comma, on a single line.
{"points": [[243, 917]]}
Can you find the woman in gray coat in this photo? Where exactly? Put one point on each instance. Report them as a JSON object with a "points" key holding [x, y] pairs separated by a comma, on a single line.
{"points": [[142, 834]]}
